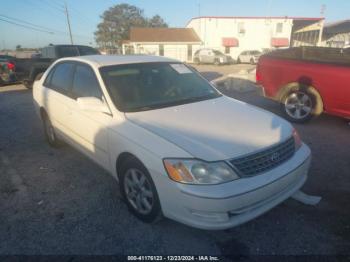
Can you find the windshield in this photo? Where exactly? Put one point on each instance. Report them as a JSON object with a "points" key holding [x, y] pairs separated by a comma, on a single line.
{"points": [[255, 53], [146, 86], [217, 52]]}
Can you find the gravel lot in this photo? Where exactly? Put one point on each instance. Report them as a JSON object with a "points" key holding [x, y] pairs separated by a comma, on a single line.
{"points": [[59, 202]]}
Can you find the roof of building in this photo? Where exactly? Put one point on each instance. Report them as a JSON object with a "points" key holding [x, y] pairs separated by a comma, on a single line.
{"points": [[107, 60], [165, 35], [260, 17], [342, 26]]}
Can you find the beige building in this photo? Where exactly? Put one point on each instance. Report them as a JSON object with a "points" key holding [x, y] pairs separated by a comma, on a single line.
{"points": [[177, 43], [233, 35]]}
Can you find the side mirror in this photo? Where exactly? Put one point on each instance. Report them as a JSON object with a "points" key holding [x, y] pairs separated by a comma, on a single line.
{"points": [[93, 104]]}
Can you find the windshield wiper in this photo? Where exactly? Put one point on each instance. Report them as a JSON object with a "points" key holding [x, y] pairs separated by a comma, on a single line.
{"points": [[173, 103]]}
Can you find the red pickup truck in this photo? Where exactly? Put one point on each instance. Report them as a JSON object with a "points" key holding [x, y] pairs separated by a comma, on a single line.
{"points": [[307, 81]]}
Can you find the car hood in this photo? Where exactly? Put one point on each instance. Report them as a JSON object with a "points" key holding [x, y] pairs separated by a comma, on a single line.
{"points": [[215, 129]]}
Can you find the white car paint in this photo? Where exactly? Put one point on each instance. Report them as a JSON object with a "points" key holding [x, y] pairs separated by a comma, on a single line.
{"points": [[211, 130]]}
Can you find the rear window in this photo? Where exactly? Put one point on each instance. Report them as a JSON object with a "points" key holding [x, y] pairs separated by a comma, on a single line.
{"points": [[86, 50], [69, 51]]}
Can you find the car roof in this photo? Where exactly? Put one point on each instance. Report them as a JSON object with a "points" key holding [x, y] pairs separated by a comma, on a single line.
{"points": [[108, 60]]}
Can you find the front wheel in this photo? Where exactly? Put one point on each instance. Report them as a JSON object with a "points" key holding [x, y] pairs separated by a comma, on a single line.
{"points": [[299, 106], [197, 61], [139, 191], [28, 84]]}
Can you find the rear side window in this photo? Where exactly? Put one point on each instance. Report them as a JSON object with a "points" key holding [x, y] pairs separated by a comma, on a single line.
{"points": [[85, 83], [67, 51], [61, 79]]}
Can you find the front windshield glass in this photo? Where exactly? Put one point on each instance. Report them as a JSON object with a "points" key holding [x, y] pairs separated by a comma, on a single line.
{"points": [[146, 86], [217, 52], [255, 52]]}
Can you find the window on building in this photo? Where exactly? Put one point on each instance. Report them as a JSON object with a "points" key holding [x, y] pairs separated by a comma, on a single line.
{"points": [[240, 28], [161, 50], [227, 49], [279, 28]]}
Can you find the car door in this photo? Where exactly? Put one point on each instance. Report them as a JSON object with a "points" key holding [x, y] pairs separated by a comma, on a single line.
{"points": [[56, 96], [241, 57], [211, 56], [89, 128], [203, 56]]}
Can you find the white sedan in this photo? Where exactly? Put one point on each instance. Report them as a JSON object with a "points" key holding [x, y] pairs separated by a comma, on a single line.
{"points": [[177, 146]]}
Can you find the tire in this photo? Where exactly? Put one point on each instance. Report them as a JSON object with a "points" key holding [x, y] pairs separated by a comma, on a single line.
{"points": [[50, 134], [196, 61], [300, 105], [131, 173], [28, 84], [238, 61], [252, 61]]}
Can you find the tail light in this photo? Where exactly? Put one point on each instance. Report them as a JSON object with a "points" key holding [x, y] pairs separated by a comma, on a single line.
{"points": [[258, 76], [10, 66]]}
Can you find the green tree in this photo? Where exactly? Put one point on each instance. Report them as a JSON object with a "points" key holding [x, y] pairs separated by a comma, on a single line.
{"points": [[157, 21], [117, 21]]}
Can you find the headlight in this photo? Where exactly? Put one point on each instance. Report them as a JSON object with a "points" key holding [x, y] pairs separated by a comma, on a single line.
{"points": [[199, 172], [297, 139]]}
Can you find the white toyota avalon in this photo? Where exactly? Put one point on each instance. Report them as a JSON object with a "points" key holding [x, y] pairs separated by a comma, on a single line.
{"points": [[177, 146]]}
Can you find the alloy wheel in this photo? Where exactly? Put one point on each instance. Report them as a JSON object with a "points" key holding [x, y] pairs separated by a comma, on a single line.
{"points": [[298, 105], [138, 191]]}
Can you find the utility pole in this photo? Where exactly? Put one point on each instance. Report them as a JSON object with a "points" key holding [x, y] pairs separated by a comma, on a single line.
{"points": [[68, 22]]}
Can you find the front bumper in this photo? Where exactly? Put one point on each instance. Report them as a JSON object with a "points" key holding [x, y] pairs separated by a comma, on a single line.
{"points": [[227, 205]]}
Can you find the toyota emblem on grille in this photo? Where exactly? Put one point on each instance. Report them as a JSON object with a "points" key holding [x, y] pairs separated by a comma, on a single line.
{"points": [[275, 157]]}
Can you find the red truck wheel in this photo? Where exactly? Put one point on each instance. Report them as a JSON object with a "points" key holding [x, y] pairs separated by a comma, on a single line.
{"points": [[300, 105]]}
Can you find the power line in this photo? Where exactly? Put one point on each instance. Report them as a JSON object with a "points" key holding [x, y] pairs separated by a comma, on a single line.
{"points": [[39, 28], [54, 5], [25, 26], [26, 22]]}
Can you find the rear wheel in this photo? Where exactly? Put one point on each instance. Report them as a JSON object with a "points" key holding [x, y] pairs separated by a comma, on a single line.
{"points": [[139, 191], [299, 105]]}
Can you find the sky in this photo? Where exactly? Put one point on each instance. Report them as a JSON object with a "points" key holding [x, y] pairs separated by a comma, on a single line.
{"points": [[85, 15]]}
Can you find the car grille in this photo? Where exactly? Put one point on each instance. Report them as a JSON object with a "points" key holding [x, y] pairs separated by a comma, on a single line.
{"points": [[265, 160]]}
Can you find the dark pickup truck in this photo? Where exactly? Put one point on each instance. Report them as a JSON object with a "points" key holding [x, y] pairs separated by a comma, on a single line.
{"points": [[26, 70]]}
